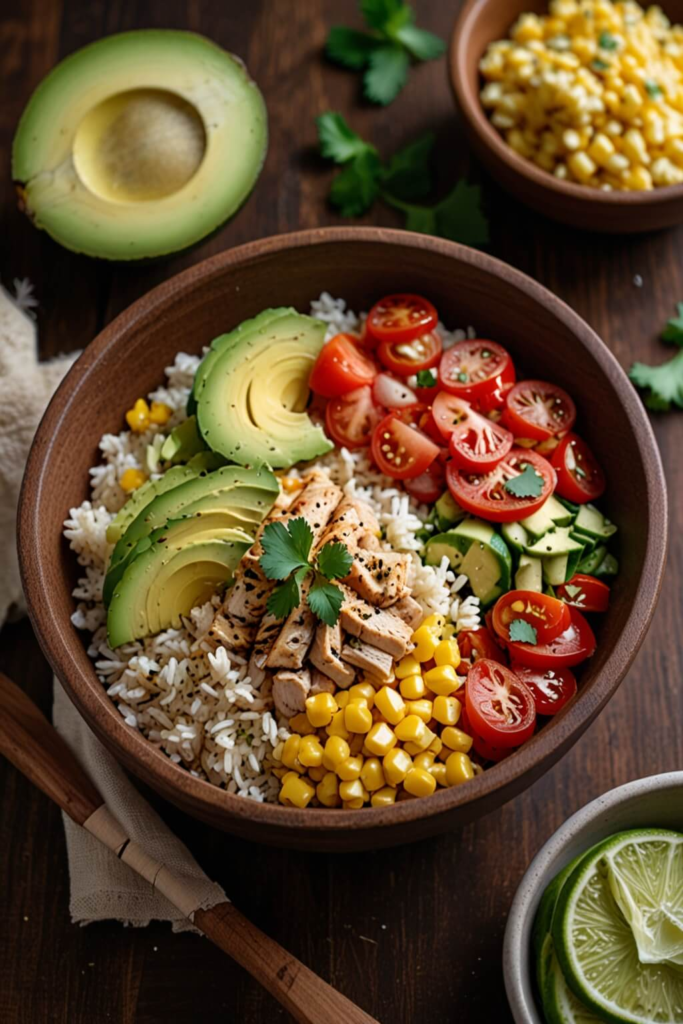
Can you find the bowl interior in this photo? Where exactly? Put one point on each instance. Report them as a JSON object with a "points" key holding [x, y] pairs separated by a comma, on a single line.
{"points": [[468, 288]]}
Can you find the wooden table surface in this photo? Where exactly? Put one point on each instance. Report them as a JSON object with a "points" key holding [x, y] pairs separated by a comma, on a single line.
{"points": [[412, 934]]}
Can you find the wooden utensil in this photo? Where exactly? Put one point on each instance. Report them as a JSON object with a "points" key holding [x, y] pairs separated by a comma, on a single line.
{"points": [[33, 745]]}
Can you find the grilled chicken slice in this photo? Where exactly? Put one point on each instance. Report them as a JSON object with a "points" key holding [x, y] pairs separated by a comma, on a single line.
{"points": [[409, 610], [370, 659], [290, 647], [376, 626], [229, 632], [325, 655], [290, 690], [379, 576], [320, 683]]}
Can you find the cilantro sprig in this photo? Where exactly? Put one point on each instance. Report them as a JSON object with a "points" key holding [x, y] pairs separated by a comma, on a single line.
{"points": [[426, 379], [287, 558], [400, 182], [523, 632], [527, 484], [663, 385], [386, 51]]}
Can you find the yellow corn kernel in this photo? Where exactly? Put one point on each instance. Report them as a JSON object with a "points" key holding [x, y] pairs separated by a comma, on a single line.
{"points": [[351, 768], [372, 775], [448, 632], [440, 773], [160, 413], [288, 775], [456, 739], [353, 790], [301, 725], [327, 790], [408, 666], [601, 149], [425, 759], [383, 797], [571, 139], [434, 621], [411, 730], [458, 769], [419, 782], [617, 163], [131, 479], [664, 172], [357, 745], [336, 751], [526, 28], [317, 774], [137, 418], [426, 641], [290, 753], [581, 165], [353, 805], [364, 692], [380, 739], [337, 726], [342, 698], [390, 704], [412, 748], [447, 710], [296, 792], [412, 687], [447, 653], [396, 765], [358, 717], [436, 745], [310, 752], [634, 147], [320, 709], [442, 680], [421, 708], [631, 101], [639, 179], [291, 484]]}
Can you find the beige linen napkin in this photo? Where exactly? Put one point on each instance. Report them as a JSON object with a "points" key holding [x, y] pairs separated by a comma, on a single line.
{"points": [[102, 886]]}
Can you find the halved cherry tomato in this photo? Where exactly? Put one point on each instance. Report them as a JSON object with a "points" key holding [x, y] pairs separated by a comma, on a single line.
{"points": [[585, 592], [500, 707], [407, 357], [484, 494], [536, 409], [548, 616], [401, 451], [476, 368], [475, 644], [428, 426], [401, 318], [568, 649], [351, 418], [477, 444], [579, 477], [341, 367], [428, 486], [485, 750], [494, 400], [427, 392], [413, 414], [552, 687]]}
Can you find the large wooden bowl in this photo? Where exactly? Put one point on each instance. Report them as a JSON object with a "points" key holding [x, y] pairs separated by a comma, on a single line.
{"points": [[127, 359], [480, 23]]}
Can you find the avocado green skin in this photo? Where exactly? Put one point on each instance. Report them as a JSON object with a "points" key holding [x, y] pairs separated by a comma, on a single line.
{"points": [[143, 496]]}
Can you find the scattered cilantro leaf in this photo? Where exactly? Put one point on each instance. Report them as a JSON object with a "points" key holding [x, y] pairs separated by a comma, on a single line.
{"points": [[422, 45], [325, 600], [351, 48], [528, 484], [606, 41], [355, 189], [378, 13], [523, 632], [663, 384], [599, 65], [426, 379], [674, 327], [335, 561], [285, 548], [408, 175], [285, 598], [458, 216], [338, 141], [653, 90], [387, 73]]}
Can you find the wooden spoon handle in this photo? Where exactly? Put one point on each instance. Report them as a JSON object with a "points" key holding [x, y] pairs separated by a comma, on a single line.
{"points": [[308, 998]]}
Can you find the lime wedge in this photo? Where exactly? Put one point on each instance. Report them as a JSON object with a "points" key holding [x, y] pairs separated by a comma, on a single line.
{"points": [[540, 934], [560, 1005], [596, 948]]}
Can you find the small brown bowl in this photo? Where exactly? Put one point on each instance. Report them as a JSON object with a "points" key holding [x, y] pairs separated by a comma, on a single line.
{"points": [[480, 23], [127, 359]]}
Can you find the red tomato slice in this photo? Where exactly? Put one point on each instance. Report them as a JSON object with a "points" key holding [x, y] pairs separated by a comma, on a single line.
{"points": [[401, 318], [476, 368], [401, 451], [475, 644], [430, 485], [351, 419], [484, 494], [477, 444], [500, 707], [536, 409], [552, 687], [548, 616], [494, 400], [585, 592], [407, 357], [579, 477], [485, 750], [568, 649], [428, 426], [341, 367]]}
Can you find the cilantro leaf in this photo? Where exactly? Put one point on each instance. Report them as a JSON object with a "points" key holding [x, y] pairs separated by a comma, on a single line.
{"points": [[523, 632], [378, 13], [350, 48], [426, 379], [674, 327], [335, 561], [664, 384], [422, 45], [387, 73], [338, 141], [407, 175], [285, 548], [528, 484], [325, 600], [653, 90], [458, 216], [606, 41], [355, 189], [285, 597]]}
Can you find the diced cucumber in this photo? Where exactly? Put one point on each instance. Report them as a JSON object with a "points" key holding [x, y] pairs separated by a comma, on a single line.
{"points": [[609, 566], [555, 569], [587, 566], [550, 514], [475, 549], [529, 575], [448, 511], [569, 505], [573, 560], [515, 535], [589, 543], [555, 542], [591, 521]]}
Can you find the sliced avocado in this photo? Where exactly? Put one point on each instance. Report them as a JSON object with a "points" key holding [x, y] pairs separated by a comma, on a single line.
{"points": [[588, 566], [239, 497], [555, 542], [475, 549], [140, 498], [555, 569], [206, 462], [550, 514], [591, 521], [529, 575], [515, 536], [609, 566], [589, 543], [139, 144], [448, 511], [251, 402], [165, 582], [223, 341], [183, 442]]}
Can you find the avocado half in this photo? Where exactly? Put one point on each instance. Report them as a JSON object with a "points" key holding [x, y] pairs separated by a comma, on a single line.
{"points": [[139, 144]]}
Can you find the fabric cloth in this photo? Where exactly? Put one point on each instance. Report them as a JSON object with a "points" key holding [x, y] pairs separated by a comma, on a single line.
{"points": [[102, 886]]}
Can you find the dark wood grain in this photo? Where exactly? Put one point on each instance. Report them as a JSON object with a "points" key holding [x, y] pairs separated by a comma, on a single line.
{"points": [[416, 933]]}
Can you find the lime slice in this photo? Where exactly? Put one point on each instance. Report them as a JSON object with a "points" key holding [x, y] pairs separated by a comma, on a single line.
{"points": [[596, 948], [540, 934], [560, 1005]]}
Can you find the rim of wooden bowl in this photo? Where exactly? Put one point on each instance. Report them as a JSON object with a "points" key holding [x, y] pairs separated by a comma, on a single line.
{"points": [[57, 637]]}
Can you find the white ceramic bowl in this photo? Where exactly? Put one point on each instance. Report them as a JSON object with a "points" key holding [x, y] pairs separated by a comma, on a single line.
{"points": [[656, 801]]}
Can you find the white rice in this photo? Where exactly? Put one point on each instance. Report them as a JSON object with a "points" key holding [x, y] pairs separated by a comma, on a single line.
{"points": [[197, 705]]}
